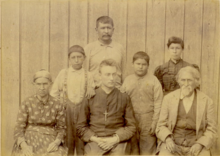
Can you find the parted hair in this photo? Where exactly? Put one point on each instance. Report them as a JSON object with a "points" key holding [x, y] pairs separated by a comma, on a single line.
{"points": [[174, 39], [141, 55], [104, 19], [107, 62], [193, 71]]}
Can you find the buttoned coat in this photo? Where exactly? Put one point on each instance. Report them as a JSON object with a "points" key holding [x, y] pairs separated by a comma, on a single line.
{"points": [[205, 118]]}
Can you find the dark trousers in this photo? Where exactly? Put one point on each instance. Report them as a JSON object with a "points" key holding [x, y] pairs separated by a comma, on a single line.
{"points": [[142, 142], [72, 140]]}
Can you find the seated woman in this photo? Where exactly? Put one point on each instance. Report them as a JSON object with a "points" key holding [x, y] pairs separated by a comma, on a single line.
{"points": [[40, 127], [187, 123], [166, 73]]}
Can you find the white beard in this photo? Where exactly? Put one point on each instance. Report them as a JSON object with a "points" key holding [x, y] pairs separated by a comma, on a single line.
{"points": [[186, 90]]}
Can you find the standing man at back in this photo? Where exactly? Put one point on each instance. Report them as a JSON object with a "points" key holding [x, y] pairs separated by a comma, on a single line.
{"points": [[105, 48]]}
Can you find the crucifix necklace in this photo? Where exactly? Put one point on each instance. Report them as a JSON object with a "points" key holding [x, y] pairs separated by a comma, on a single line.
{"points": [[106, 115]]}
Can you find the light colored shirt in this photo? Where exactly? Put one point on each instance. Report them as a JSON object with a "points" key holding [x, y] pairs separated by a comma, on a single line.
{"points": [[96, 52], [76, 86], [146, 94], [187, 101]]}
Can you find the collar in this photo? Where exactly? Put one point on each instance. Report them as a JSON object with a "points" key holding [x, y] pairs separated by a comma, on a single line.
{"points": [[103, 92], [177, 61], [71, 69], [142, 77], [44, 102], [109, 45]]}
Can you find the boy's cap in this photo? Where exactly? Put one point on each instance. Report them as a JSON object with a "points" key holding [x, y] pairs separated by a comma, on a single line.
{"points": [[76, 48]]}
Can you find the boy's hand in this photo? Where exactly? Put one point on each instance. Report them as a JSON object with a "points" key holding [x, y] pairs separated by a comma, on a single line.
{"points": [[152, 129], [90, 93]]}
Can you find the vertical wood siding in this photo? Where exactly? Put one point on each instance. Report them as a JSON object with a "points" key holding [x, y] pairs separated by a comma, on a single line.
{"points": [[37, 34]]}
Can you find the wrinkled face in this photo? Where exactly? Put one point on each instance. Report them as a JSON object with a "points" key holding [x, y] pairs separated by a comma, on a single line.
{"points": [[42, 86], [104, 31], [187, 83], [140, 67], [76, 60], [175, 50], [108, 76]]}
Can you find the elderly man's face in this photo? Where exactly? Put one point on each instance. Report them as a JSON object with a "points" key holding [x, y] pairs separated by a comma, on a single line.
{"points": [[105, 31], [187, 83]]}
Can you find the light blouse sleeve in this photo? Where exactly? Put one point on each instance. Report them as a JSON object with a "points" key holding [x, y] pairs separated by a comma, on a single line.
{"points": [[21, 124], [57, 85]]}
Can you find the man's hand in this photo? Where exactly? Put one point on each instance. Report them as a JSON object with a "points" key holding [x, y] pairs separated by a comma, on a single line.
{"points": [[195, 149], [170, 145], [27, 150], [53, 146], [108, 143], [152, 129], [90, 93]]}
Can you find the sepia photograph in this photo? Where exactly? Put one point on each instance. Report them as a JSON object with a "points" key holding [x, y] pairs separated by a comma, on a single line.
{"points": [[110, 77]]}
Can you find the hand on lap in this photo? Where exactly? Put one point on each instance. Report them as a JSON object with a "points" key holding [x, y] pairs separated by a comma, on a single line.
{"points": [[53, 146], [27, 150]]}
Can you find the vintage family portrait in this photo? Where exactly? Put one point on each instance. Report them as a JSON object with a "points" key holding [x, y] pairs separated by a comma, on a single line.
{"points": [[110, 77]]}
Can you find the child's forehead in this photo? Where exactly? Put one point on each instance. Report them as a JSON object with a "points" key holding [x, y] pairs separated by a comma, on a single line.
{"points": [[140, 60]]}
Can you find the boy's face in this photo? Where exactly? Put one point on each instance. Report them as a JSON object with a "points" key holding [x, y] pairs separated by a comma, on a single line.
{"points": [[105, 31], [108, 76], [76, 60], [140, 67]]}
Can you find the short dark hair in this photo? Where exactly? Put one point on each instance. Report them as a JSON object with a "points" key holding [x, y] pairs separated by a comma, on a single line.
{"points": [[104, 19], [175, 40], [141, 55], [108, 62], [76, 48]]}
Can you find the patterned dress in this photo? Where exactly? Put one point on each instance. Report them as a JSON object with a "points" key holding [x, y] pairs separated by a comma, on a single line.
{"points": [[39, 124]]}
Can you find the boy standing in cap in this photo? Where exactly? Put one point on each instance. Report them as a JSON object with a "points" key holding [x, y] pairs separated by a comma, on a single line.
{"points": [[71, 86]]}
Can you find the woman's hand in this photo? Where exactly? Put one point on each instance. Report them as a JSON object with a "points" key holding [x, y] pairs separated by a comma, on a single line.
{"points": [[54, 146], [27, 150]]}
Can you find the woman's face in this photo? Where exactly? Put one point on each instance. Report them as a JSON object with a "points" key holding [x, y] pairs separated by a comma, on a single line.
{"points": [[42, 86], [175, 50]]}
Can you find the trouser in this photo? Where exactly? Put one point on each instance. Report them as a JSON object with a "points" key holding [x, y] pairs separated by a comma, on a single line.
{"points": [[143, 143], [72, 140], [181, 151], [92, 148]]}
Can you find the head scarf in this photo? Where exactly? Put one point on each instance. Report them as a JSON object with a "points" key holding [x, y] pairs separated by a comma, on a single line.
{"points": [[42, 74]]}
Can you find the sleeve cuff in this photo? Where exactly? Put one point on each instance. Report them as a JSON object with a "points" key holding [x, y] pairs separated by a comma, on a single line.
{"points": [[86, 137]]}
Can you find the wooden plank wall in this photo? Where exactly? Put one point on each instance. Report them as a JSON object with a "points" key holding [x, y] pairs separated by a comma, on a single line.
{"points": [[37, 34]]}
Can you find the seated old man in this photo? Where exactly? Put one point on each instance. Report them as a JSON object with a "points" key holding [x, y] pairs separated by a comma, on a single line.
{"points": [[106, 121], [187, 122]]}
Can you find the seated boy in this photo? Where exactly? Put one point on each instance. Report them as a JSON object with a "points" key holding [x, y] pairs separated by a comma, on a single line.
{"points": [[146, 96], [71, 86]]}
